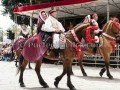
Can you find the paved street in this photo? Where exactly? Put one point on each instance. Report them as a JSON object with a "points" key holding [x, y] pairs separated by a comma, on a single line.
{"points": [[9, 80]]}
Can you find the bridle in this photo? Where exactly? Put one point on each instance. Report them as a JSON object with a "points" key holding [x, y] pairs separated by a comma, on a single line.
{"points": [[117, 25]]}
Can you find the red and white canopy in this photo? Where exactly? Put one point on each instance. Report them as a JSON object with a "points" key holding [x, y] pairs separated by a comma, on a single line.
{"points": [[69, 8]]}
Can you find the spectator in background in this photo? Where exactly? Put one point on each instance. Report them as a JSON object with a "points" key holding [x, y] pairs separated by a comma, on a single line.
{"points": [[1, 50], [24, 32], [70, 26]]}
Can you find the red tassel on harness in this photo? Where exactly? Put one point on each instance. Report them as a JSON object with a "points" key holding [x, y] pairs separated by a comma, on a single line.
{"points": [[113, 43], [88, 36], [78, 50]]}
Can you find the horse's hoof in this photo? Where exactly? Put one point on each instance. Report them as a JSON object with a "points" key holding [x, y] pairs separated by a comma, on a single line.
{"points": [[72, 73], [73, 88], [111, 77], [101, 74], [45, 86], [30, 67], [22, 85], [56, 84], [84, 74]]}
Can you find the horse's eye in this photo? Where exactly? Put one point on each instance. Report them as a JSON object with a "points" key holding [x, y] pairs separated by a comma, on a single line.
{"points": [[117, 21]]}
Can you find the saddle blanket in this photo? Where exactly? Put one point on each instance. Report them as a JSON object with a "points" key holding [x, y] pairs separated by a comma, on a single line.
{"points": [[18, 44], [34, 49]]}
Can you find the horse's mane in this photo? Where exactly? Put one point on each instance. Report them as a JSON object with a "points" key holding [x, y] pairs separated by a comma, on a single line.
{"points": [[81, 26], [104, 27], [77, 25]]}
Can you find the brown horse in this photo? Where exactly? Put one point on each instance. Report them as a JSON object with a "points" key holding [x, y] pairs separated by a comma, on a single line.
{"points": [[67, 55], [110, 30]]}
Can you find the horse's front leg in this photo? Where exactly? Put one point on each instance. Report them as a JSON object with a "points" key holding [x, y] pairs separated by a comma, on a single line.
{"points": [[37, 69], [68, 69], [57, 79], [22, 68], [81, 66], [107, 64], [102, 71]]}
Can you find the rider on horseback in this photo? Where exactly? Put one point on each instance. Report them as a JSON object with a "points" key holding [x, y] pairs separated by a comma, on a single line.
{"points": [[24, 32], [41, 20], [53, 27], [96, 32], [95, 23]]}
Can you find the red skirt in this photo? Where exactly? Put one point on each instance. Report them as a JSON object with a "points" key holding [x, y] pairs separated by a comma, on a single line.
{"points": [[18, 43], [34, 49]]}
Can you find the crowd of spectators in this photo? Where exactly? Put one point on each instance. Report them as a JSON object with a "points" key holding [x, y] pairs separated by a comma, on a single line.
{"points": [[5, 51]]}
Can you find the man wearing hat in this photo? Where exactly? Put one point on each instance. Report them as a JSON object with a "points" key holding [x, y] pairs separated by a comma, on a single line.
{"points": [[54, 28], [94, 22]]}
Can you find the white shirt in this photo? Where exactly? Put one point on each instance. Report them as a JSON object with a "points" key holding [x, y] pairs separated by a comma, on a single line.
{"points": [[94, 22], [52, 24]]}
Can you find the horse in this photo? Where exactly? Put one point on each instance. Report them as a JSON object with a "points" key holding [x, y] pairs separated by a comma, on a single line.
{"points": [[18, 51], [67, 55], [110, 30]]}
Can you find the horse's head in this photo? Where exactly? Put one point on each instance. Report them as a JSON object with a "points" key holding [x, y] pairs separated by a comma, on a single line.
{"points": [[113, 27]]}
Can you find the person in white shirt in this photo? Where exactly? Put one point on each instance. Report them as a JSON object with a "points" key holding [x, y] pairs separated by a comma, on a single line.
{"points": [[24, 32], [95, 23], [53, 27]]}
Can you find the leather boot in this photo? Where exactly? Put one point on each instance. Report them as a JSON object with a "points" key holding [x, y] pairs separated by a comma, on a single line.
{"points": [[96, 45], [56, 52]]}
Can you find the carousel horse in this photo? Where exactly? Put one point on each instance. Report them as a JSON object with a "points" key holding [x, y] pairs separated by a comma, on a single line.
{"points": [[17, 47], [108, 42], [67, 55]]}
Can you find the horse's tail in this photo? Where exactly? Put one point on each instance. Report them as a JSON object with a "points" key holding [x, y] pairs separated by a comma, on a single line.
{"points": [[12, 53], [20, 64]]}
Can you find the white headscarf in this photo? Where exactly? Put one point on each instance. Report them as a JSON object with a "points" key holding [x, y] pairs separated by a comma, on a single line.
{"points": [[40, 16]]}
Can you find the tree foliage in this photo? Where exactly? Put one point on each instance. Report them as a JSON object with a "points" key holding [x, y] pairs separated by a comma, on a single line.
{"points": [[9, 6]]}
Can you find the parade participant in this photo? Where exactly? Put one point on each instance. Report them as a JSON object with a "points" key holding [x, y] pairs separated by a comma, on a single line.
{"points": [[24, 32], [41, 20], [71, 25], [40, 25], [95, 23], [35, 44], [53, 27]]}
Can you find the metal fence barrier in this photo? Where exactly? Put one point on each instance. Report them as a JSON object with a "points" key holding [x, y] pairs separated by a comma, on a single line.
{"points": [[99, 61]]}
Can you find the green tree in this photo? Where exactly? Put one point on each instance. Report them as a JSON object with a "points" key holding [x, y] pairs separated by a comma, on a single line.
{"points": [[9, 6]]}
